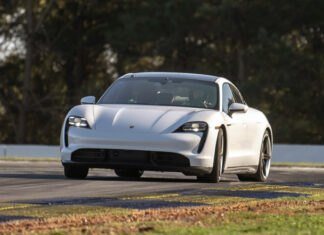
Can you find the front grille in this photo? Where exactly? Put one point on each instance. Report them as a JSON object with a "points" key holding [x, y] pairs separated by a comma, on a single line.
{"points": [[130, 157], [167, 159], [89, 155]]}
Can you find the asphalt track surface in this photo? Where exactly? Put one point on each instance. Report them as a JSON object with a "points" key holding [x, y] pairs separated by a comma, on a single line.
{"points": [[45, 180]]}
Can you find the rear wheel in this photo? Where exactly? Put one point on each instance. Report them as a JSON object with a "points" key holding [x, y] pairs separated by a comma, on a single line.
{"points": [[264, 163], [214, 176], [129, 173], [75, 172]]}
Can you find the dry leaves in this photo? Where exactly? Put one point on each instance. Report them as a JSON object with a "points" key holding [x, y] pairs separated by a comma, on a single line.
{"points": [[192, 215]]}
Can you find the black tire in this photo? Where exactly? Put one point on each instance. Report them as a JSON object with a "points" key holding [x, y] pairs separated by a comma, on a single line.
{"points": [[75, 172], [214, 176], [263, 171], [129, 173]]}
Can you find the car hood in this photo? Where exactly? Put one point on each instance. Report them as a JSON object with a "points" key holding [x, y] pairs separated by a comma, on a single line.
{"points": [[141, 118]]}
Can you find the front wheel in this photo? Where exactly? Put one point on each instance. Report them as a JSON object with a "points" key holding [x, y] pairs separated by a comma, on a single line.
{"points": [[264, 163], [214, 176], [75, 172], [129, 173]]}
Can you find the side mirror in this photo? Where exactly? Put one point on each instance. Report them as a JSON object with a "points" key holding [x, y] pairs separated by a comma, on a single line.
{"points": [[237, 108], [88, 100]]}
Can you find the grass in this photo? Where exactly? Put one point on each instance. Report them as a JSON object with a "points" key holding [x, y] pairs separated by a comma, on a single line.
{"points": [[222, 215], [30, 159], [296, 222], [297, 164], [251, 223]]}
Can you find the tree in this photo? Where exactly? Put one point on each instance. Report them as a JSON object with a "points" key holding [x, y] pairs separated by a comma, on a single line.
{"points": [[272, 49]]}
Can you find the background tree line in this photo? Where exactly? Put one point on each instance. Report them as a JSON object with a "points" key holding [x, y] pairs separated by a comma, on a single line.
{"points": [[52, 53]]}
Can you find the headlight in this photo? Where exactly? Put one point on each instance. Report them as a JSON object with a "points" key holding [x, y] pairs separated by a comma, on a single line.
{"points": [[196, 127], [78, 121], [193, 127]]}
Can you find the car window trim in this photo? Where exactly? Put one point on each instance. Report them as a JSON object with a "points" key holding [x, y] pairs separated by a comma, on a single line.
{"points": [[229, 85], [216, 107]]}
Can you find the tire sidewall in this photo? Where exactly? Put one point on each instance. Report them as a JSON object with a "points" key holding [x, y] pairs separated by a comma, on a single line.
{"points": [[260, 174], [217, 157]]}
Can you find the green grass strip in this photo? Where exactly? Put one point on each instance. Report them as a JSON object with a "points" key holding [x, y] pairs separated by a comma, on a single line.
{"points": [[30, 159], [297, 164]]}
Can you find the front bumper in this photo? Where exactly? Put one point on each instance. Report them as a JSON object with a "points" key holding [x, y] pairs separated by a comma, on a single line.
{"points": [[138, 150]]}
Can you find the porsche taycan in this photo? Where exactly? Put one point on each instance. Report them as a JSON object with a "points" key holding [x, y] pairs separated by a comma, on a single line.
{"points": [[196, 124]]}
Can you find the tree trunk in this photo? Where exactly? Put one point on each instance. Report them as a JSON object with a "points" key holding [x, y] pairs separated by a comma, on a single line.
{"points": [[21, 136], [241, 64]]}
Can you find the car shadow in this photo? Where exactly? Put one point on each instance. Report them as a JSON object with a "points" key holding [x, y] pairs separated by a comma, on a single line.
{"points": [[107, 178], [143, 179], [31, 176]]}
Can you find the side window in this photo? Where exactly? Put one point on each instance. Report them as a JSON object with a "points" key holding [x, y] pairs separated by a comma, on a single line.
{"points": [[237, 96], [228, 98]]}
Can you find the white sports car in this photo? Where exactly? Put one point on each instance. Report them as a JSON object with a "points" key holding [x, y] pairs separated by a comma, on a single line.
{"points": [[191, 123]]}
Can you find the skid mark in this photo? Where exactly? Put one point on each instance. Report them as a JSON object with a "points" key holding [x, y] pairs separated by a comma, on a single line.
{"points": [[114, 202], [152, 196], [6, 218], [180, 198]]}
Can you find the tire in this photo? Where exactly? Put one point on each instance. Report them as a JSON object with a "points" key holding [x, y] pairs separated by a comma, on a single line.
{"points": [[75, 172], [263, 171], [214, 176], [129, 173]]}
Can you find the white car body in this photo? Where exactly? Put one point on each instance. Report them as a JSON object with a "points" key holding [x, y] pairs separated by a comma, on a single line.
{"points": [[152, 128]]}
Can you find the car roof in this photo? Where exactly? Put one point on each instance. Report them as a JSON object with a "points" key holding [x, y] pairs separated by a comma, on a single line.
{"points": [[194, 76]]}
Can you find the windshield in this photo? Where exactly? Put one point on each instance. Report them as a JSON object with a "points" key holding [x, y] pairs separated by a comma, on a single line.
{"points": [[162, 91]]}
